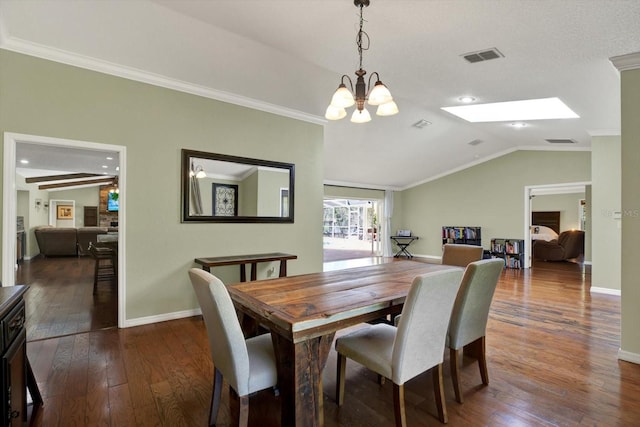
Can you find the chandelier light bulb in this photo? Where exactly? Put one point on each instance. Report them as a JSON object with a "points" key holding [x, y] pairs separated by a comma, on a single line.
{"points": [[335, 113], [379, 94], [360, 116], [387, 109], [343, 98]]}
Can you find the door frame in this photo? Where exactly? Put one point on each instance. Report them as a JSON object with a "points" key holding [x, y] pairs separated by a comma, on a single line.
{"points": [[568, 187], [9, 200]]}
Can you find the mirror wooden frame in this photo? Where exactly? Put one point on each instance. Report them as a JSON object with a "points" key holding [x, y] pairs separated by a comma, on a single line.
{"points": [[188, 155]]}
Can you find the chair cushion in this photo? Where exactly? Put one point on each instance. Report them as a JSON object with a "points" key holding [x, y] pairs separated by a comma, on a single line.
{"points": [[372, 347], [262, 363]]}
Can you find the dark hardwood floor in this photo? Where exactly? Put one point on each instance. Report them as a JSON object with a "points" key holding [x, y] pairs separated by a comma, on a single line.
{"points": [[60, 300], [551, 345]]}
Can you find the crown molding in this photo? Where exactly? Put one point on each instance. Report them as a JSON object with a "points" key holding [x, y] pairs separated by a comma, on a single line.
{"points": [[65, 57], [630, 61], [360, 185], [604, 132]]}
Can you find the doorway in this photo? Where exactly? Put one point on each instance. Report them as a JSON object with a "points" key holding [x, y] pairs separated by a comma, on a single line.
{"points": [[576, 217], [12, 142], [351, 229]]}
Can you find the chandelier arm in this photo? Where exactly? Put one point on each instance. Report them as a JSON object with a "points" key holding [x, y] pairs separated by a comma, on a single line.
{"points": [[350, 81], [369, 87]]}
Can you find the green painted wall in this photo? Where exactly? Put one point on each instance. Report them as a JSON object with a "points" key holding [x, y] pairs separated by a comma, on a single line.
{"points": [[606, 206], [269, 184], [45, 98], [489, 195], [630, 92], [249, 195]]}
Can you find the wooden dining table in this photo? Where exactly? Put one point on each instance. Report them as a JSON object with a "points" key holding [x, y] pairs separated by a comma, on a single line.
{"points": [[303, 314]]}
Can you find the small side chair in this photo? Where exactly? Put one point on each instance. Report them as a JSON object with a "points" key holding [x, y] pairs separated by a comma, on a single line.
{"points": [[415, 346], [460, 255], [248, 365], [105, 264], [468, 325]]}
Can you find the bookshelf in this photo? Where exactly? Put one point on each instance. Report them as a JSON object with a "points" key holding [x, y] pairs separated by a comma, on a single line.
{"points": [[511, 250], [464, 235]]}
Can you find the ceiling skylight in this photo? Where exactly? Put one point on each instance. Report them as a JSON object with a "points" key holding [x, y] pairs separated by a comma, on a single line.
{"points": [[531, 109]]}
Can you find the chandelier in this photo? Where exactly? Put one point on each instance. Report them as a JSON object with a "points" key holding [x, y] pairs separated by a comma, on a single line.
{"points": [[378, 96]]}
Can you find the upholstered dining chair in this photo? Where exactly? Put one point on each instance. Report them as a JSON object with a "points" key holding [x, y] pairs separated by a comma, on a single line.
{"points": [[415, 346], [468, 325], [247, 365], [460, 255]]}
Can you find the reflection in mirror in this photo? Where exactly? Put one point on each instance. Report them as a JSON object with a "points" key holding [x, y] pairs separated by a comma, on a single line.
{"points": [[220, 188]]}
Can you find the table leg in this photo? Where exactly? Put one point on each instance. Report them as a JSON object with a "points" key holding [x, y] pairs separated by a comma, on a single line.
{"points": [[243, 273], [283, 268], [300, 369], [254, 268]]}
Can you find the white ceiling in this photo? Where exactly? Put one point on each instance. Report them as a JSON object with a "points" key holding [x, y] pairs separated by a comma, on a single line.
{"points": [[287, 56]]}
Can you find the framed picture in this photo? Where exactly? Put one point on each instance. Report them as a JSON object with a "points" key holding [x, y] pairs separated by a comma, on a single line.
{"points": [[65, 212], [225, 200]]}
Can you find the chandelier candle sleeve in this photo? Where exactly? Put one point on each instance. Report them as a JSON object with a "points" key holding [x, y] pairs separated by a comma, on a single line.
{"points": [[378, 95]]}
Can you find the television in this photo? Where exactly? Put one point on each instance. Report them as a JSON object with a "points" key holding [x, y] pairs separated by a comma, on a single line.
{"points": [[112, 202]]}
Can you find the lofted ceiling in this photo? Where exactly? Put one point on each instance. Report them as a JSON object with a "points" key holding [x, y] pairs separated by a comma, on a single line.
{"points": [[287, 56]]}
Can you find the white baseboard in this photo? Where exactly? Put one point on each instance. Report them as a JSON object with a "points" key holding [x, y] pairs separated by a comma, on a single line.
{"points": [[627, 356], [607, 291], [161, 318]]}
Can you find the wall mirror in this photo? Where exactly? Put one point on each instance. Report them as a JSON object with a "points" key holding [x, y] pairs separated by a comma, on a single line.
{"points": [[221, 188]]}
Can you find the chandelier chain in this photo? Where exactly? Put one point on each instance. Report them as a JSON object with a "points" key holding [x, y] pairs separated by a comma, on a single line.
{"points": [[362, 37]]}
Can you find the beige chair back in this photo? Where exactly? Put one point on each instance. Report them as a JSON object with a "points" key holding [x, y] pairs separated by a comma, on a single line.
{"points": [[471, 309], [461, 255], [422, 329], [226, 341]]}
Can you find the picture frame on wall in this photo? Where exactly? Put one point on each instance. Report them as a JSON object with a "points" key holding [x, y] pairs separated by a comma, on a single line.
{"points": [[64, 212], [225, 200]]}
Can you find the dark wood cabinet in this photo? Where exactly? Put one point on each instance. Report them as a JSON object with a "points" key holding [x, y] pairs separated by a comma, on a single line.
{"points": [[90, 216], [16, 372]]}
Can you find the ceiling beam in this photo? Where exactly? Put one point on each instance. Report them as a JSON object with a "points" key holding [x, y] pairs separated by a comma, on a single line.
{"points": [[75, 183], [60, 177]]}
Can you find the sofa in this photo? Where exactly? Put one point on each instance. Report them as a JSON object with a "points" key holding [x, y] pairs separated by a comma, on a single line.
{"points": [[568, 245], [65, 241]]}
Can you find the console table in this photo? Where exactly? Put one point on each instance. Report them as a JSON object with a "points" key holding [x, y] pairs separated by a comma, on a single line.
{"points": [[403, 243], [242, 260]]}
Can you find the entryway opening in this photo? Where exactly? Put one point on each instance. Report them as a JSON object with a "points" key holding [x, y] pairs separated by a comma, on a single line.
{"points": [[351, 229]]}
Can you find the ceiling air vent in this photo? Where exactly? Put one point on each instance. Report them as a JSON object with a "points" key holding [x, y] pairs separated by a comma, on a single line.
{"points": [[482, 55], [475, 142], [421, 124], [561, 141]]}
